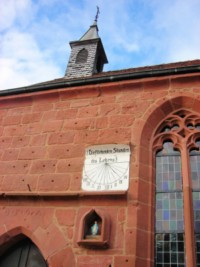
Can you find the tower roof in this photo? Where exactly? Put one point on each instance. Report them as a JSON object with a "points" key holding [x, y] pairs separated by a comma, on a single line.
{"points": [[92, 33]]}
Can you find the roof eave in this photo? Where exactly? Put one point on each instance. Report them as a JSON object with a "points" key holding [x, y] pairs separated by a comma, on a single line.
{"points": [[101, 79]]}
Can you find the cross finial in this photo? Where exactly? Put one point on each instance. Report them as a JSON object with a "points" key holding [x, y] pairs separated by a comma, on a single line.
{"points": [[97, 14]]}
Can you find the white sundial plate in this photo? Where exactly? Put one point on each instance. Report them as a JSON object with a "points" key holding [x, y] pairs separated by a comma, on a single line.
{"points": [[106, 167]]}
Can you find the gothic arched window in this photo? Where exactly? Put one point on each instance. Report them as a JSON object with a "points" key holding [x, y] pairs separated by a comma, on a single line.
{"points": [[176, 148], [82, 56]]}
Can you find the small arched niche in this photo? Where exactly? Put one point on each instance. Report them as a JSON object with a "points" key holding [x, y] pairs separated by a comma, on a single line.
{"points": [[21, 251], [82, 56], [94, 229]]}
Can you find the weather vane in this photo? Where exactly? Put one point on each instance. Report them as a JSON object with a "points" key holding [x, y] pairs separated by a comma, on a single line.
{"points": [[97, 15]]}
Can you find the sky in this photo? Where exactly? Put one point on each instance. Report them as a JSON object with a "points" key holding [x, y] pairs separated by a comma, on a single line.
{"points": [[35, 35]]}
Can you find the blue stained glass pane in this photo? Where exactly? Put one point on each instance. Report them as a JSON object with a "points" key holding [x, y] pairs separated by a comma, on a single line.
{"points": [[166, 215], [165, 186], [197, 204], [197, 226]]}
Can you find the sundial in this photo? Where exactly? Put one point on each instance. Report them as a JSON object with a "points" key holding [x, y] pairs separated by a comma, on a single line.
{"points": [[106, 168]]}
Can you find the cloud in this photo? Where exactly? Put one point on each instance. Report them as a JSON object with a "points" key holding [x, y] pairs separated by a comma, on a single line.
{"points": [[23, 59], [12, 11], [35, 34], [23, 62], [176, 23]]}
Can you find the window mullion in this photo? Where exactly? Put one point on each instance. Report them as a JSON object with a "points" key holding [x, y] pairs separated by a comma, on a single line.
{"points": [[188, 211]]}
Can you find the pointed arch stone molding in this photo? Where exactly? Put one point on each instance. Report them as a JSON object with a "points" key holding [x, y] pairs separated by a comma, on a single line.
{"points": [[12, 236], [145, 140], [162, 108]]}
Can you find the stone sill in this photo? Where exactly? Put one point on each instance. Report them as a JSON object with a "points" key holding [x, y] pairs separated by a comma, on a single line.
{"points": [[93, 242], [62, 194]]}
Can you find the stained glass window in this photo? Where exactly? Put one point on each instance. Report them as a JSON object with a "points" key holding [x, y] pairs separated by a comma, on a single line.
{"points": [[183, 127], [169, 238], [195, 175]]}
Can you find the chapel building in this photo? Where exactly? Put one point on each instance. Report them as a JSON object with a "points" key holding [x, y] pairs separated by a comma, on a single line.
{"points": [[102, 168]]}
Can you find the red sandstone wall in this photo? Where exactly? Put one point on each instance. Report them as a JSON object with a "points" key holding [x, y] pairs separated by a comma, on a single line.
{"points": [[43, 137]]}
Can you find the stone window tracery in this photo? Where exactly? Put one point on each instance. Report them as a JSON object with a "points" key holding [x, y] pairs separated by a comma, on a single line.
{"points": [[176, 147]]}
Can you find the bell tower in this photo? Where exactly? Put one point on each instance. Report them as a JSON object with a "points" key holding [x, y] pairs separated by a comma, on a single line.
{"points": [[87, 54]]}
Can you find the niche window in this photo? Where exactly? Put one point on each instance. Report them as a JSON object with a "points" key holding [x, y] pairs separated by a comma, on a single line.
{"points": [[177, 196], [82, 56], [94, 229]]}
